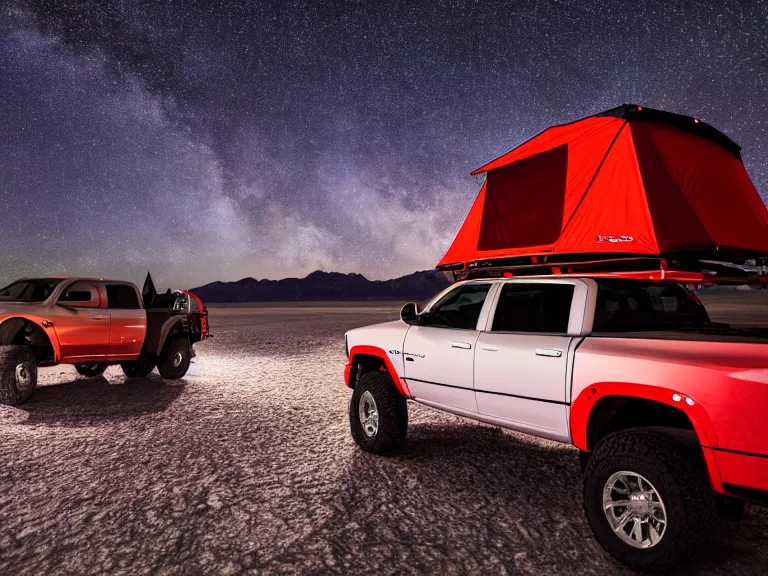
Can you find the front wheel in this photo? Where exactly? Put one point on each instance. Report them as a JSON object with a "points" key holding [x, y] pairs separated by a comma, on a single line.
{"points": [[18, 374], [378, 414], [91, 369], [647, 500], [175, 359], [140, 368]]}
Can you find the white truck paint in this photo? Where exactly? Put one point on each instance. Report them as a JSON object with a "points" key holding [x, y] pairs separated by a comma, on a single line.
{"points": [[664, 404], [515, 380]]}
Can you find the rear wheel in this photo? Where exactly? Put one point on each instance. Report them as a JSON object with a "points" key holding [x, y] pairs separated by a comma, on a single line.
{"points": [[175, 359], [140, 368], [18, 374], [91, 369], [647, 500], [378, 414]]}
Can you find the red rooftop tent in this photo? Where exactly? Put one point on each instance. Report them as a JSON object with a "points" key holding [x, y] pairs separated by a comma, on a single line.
{"points": [[626, 182]]}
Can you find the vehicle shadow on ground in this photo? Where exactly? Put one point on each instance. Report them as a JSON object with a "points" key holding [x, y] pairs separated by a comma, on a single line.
{"points": [[539, 480], [93, 401], [473, 499], [457, 499]]}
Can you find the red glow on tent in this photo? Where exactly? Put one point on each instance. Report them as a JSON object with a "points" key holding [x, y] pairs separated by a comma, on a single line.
{"points": [[628, 181]]}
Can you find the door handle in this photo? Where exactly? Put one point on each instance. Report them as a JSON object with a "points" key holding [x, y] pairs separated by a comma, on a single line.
{"points": [[489, 349], [100, 317], [462, 345], [549, 352]]}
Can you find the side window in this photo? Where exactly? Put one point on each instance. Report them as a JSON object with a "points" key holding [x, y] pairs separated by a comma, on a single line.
{"points": [[80, 295], [630, 305], [533, 308], [122, 297], [460, 308]]}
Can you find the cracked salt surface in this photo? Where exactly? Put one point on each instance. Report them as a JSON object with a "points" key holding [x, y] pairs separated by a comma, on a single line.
{"points": [[248, 466]]}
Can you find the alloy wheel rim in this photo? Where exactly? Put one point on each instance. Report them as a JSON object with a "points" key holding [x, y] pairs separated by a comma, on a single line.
{"points": [[634, 509], [369, 414], [178, 358], [23, 378]]}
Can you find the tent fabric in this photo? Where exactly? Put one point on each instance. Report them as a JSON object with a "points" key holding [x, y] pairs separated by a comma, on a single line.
{"points": [[639, 182], [517, 221]]}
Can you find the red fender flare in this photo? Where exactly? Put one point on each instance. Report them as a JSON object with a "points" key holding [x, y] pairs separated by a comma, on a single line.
{"points": [[46, 326], [581, 409], [400, 383]]}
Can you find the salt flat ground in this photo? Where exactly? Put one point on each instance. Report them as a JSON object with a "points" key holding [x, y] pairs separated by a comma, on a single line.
{"points": [[248, 466]]}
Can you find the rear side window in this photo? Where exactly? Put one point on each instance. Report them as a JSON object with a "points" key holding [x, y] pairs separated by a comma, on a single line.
{"points": [[626, 306], [533, 308], [460, 308], [122, 297]]}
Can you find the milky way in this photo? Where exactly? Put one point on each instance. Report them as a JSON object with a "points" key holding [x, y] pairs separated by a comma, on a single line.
{"points": [[216, 140]]}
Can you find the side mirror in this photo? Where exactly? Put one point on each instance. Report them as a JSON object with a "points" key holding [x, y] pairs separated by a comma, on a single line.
{"points": [[410, 313]]}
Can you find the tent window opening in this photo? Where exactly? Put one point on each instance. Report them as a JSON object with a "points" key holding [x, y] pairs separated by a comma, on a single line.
{"points": [[524, 202]]}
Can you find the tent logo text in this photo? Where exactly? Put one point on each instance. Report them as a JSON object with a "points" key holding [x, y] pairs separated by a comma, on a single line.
{"points": [[614, 239]]}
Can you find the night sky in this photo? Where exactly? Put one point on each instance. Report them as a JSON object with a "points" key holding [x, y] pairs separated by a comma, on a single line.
{"points": [[212, 140]]}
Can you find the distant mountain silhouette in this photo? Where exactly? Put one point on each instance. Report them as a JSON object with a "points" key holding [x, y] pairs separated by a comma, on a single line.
{"points": [[325, 286]]}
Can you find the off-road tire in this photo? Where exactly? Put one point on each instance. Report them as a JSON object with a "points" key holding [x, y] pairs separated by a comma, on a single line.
{"points": [[91, 369], [680, 480], [392, 409], [18, 374], [729, 507], [584, 460], [175, 359], [140, 368]]}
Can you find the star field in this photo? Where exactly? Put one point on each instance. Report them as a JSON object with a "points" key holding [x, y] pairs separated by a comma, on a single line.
{"points": [[209, 140]]}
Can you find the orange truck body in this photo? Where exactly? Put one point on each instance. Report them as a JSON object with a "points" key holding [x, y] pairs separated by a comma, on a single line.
{"points": [[96, 330]]}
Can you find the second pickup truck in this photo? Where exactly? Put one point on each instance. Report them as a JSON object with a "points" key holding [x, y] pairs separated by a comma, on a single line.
{"points": [[93, 323]]}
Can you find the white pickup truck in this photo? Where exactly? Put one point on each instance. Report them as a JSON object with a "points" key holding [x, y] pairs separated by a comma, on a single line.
{"points": [[667, 408]]}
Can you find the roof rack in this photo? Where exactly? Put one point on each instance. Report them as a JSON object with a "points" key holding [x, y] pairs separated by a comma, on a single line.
{"points": [[685, 270]]}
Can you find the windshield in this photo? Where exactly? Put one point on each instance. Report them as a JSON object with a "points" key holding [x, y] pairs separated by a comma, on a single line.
{"points": [[34, 290]]}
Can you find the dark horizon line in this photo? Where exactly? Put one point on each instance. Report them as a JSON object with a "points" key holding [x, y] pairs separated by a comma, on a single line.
{"points": [[308, 275]]}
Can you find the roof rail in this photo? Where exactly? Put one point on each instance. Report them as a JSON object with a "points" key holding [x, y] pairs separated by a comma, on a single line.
{"points": [[636, 267]]}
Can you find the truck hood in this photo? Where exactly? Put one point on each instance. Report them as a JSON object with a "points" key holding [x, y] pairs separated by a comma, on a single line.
{"points": [[387, 335], [11, 308], [392, 325]]}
